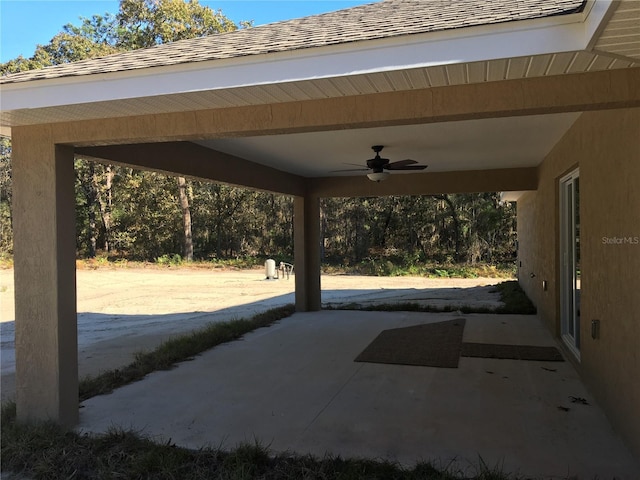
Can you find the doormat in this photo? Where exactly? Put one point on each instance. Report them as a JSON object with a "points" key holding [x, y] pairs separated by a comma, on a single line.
{"points": [[427, 345], [511, 352]]}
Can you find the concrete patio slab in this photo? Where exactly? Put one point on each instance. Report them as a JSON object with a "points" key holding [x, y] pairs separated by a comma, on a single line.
{"points": [[295, 387]]}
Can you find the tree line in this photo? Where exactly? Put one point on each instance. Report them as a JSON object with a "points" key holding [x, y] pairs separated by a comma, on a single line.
{"points": [[126, 213]]}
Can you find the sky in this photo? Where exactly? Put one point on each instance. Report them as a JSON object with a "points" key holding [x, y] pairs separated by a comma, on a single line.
{"points": [[26, 23]]}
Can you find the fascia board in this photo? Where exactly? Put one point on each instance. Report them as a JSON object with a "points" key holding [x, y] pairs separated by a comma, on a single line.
{"points": [[484, 43], [597, 13]]}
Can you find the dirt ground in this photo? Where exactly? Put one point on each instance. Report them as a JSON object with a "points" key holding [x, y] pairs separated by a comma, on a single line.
{"points": [[122, 311]]}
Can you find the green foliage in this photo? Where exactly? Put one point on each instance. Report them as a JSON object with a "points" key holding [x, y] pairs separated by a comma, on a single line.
{"points": [[96, 37], [414, 230], [170, 260], [145, 23], [134, 215], [394, 267], [48, 451], [6, 231], [139, 23], [515, 299]]}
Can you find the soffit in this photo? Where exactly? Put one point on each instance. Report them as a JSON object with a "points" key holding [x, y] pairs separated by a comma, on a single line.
{"points": [[621, 36], [418, 78]]}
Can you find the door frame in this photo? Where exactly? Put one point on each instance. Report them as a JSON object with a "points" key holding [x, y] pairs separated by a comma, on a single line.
{"points": [[569, 249]]}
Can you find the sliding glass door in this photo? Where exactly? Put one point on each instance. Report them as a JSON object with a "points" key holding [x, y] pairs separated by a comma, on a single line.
{"points": [[570, 260]]}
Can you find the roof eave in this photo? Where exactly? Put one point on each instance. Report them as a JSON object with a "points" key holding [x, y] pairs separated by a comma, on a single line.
{"points": [[571, 32]]}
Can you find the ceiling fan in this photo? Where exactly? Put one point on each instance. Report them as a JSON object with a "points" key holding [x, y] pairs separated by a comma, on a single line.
{"points": [[378, 165]]}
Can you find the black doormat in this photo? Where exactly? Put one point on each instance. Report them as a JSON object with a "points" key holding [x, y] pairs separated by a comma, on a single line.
{"points": [[428, 345], [511, 352], [440, 345]]}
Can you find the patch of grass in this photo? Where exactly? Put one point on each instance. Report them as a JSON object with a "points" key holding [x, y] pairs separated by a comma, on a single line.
{"points": [[174, 261], [514, 298], [511, 294], [48, 451], [6, 261], [393, 307], [413, 307], [170, 260], [179, 349], [395, 267]]}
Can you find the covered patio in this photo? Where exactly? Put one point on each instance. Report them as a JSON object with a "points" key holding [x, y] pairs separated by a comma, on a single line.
{"points": [[492, 99], [295, 387]]}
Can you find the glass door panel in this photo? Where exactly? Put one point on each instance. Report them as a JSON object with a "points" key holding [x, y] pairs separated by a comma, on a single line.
{"points": [[570, 260]]}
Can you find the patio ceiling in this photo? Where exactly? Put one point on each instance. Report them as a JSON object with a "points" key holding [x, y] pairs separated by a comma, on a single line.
{"points": [[512, 142], [601, 37]]}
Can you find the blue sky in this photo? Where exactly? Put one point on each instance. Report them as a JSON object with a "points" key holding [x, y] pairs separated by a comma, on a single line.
{"points": [[27, 23]]}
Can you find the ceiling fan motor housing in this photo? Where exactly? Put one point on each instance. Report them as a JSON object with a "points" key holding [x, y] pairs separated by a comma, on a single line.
{"points": [[377, 163]]}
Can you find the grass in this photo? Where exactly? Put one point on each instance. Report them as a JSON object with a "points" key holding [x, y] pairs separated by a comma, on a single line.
{"points": [[412, 307], [399, 267], [179, 349], [369, 267], [515, 301], [514, 298], [47, 451], [167, 261], [6, 261], [395, 266]]}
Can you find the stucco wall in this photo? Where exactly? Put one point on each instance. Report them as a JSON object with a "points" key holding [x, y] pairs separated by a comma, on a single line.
{"points": [[606, 147]]}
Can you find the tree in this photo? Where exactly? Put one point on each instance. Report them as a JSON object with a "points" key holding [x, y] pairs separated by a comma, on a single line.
{"points": [[186, 219], [6, 232], [138, 24], [144, 23], [96, 37]]}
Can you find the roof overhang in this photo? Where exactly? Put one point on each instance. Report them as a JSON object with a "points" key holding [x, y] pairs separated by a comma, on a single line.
{"points": [[543, 36], [467, 61]]}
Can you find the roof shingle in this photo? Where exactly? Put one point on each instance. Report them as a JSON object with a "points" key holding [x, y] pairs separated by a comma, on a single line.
{"points": [[385, 19]]}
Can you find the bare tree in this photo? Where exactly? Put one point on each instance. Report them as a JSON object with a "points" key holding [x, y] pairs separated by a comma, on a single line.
{"points": [[186, 219]]}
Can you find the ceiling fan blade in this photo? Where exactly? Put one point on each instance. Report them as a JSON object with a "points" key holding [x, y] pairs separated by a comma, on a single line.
{"points": [[350, 170], [401, 163], [408, 167], [360, 168], [353, 164]]}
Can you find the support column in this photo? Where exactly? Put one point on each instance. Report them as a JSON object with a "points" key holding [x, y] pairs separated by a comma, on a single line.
{"points": [[306, 212], [45, 280]]}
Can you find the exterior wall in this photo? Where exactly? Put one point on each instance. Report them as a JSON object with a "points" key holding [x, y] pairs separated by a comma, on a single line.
{"points": [[605, 146]]}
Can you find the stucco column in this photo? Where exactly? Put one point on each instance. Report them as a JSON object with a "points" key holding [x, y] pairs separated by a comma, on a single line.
{"points": [[306, 211], [45, 281]]}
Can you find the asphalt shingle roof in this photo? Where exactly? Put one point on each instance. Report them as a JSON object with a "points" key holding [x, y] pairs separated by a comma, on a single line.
{"points": [[384, 19]]}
